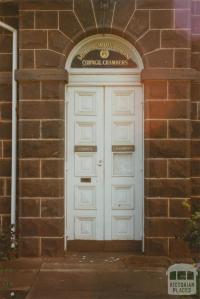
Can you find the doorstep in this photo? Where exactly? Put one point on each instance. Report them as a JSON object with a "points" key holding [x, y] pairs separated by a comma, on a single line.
{"points": [[88, 275]]}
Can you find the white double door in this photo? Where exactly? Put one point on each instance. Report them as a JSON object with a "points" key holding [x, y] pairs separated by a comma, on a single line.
{"points": [[104, 163]]}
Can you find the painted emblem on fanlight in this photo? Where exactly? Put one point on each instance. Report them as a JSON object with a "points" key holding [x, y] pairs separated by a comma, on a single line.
{"points": [[104, 54]]}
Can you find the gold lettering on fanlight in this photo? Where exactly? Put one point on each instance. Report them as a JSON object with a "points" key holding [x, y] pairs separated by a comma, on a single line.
{"points": [[103, 46], [103, 62]]}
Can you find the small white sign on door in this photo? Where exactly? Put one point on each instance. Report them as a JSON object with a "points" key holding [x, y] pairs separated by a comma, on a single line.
{"points": [[182, 279]]}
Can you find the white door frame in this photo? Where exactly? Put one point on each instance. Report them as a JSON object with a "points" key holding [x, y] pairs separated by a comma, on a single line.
{"points": [[101, 77]]}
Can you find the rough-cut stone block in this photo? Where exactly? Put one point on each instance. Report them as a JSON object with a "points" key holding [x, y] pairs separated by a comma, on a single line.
{"points": [[162, 4], [5, 222], [161, 58], [195, 186], [84, 11], [46, 19], [26, 59], [195, 149], [53, 90], [179, 129], [29, 129], [52, 129], [167, 109], [195, 91], [5, 130], [177, 208], [150, 41], [52, 168], [179, 168], [179, 90], [195, 6], [155, 168], [33, 39], [29, 247], [69, 25], [52, 207], [2, 187], [5, 43], [196, 24], [155, 128], [167, 187], [41, 188], [5, 205], [98, 9], [8, 186], [29, 91], [182, 58], [13, 21], [58, 42], [47, 5], [8, 9], [29, 168], [41, 110], [155, 89], [167, 148], [194, 111], [123, 13], [5, 62], [161, 19], [195, 61], [182, 19], [48, 59], [29, 207], [165, 227], [6, 149], [52, 247], [5, 168], [139, 23], [6, 111], [41, 227], [5, 92], [41, 149], [26, 20], [196, 43], [175, 39], [195, 167], [156, 207], [195, 204], [178, 247], [156, 246], [195, 129]]}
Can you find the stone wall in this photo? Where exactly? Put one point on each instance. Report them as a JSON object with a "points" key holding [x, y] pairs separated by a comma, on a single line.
{"points": [[161, 31]]}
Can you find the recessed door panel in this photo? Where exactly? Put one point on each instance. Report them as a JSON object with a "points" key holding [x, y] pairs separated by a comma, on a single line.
{"points": [[85, 102], [123, 197], [123, 132], [123, 164], [85, 133], [85, 197], [85, 164], [123, 227]]}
